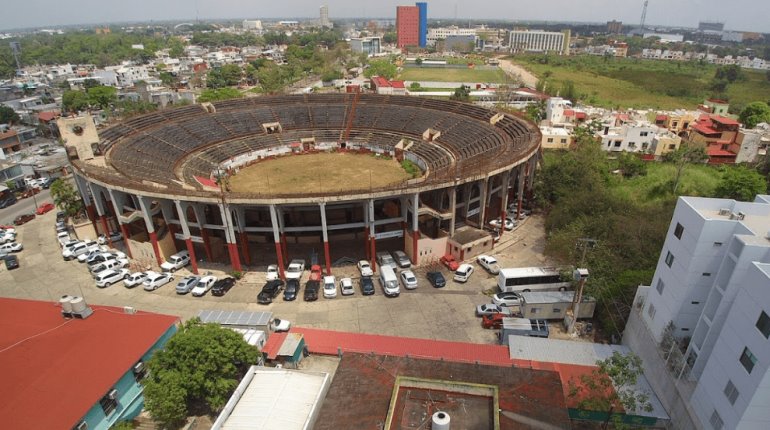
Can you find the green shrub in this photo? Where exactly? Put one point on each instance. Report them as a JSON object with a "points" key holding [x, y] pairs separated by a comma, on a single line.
{"points": [[411, 168]]}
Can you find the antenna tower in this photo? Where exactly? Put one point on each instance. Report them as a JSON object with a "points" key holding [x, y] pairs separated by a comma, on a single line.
{"points": [[644, 16]]}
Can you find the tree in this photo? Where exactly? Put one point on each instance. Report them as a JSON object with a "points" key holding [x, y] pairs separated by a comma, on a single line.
{"points": [[740, 183], [8, 115], [462, 94], [102, 96], [200, 367], [389, 37], [66, 198], [418, 61], [225, 76], [729, 73], [684, 155], [212, 95], [755, 113], [414, 86], [74, 101], [568, 91], [610, 387], [383, 68]]}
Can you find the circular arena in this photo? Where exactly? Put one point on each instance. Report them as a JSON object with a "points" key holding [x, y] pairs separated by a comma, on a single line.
{"points": [[326, 178]]}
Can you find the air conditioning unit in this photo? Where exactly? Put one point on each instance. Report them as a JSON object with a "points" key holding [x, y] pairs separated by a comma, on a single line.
{"points": [[139, 367], [82, 426], [113, 394], [724, 211], [733, 215], [741, 215], [129, 310]]}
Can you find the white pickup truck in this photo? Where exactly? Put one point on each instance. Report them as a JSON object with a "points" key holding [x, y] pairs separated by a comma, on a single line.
{"points": [[176, 262]]}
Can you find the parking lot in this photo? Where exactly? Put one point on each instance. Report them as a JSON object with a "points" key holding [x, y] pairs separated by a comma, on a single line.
{"points": [[446, 313]]}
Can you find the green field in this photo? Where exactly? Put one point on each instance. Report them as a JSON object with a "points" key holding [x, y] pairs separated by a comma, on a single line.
{"points": [[634, 83], [452, 75]]}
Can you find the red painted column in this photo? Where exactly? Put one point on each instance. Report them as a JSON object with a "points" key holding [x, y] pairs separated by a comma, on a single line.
{"points": [[124, 229], [415, 239], [279, 258], [285, 253], [106, 230], [245, 248], [155, 247], [91, 212], [193, 260], [328, 258], [206, 244], [235, 259]]}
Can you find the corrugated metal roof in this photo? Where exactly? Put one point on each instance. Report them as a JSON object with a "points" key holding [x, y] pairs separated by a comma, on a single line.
{"points": [[241, 318], [548, 296], [290, 344]]}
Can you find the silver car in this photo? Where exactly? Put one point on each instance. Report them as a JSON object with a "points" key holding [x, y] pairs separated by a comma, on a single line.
{"points": [[187, 284], [491, 309], [408, 279]]}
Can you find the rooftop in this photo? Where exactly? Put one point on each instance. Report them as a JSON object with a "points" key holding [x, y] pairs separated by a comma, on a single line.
{"points": [[466, 235], [42, 355], [237, 318]]}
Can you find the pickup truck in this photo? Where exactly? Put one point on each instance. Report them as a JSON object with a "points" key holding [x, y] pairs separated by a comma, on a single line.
{"points": [[488, 263], [295, 269]]}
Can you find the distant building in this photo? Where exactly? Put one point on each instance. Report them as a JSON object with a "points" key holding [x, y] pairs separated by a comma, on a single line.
{"points": [[539, 41], [407, 26], [753, 144], [716, 106], [423, 29], [614, 27], [9, 143], [732, 36], [370, 45], [441, 33], [384, 86], [460, 43], [629, 138], [252, 24], [665, 38], [324, 20], [711, 26], [719, 135], [555, 138], [554, 110]]}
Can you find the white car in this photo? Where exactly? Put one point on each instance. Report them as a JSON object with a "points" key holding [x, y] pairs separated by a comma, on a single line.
{"points": [[509, 224], [82, 258], [408, 279], [109, 277], [176, 261], [156, 280], [296, 269], [80, 248], [489, 263], [204, 285], [62, 237], [506, 299], [11, 247], [346, 286], [463, 273], [281, 325], [134, 279], [10, 230], [272, 272], [187, 284], [7, 237], [365, 268], [330, 287]]}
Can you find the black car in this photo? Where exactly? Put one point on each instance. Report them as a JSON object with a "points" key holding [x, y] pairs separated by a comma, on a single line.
{"points": [[222, 286], [291, 291], [11, 262], [436, 279], [367, 286], [311, 291], [60, 217], [269, 292]]}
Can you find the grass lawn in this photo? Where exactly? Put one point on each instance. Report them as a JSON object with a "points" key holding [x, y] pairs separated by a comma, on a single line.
{"points": [[325, 172], [642, 83], [452, 75], [697, 180]]}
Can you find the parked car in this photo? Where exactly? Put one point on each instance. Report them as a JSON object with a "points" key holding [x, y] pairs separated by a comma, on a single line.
{"points": [[11, 262], [11, 247], [280, 325], [367, 286], [509, 224], [77, 249], [491, 309], [61, 227], [385, 259], [269, 291], [204, 285], [114, 236], [488, 263], [408, 279], [222, 286], [296, 269], [463, 273], [365, 268], [7, 237], [23, 219], [402, 259], [272, 272], [187, 284], [315, 273], [134, 279], [176, 261], [112, 263], [436, 279], [311, 291], [44, 208], [62, 237], [449, 262], [61, 216], [346, 287], [155, 280], [292, 290], [330, 287], [7, 229], [506, 299], [109, 277]]}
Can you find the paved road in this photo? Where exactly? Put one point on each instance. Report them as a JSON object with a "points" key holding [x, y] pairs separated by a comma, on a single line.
{"points": [[24, 206]]}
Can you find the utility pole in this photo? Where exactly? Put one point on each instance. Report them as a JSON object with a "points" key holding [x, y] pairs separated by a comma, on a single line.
{"points": [[581, 275]]}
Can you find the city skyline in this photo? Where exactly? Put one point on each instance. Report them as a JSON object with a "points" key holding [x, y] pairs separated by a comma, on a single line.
{"points": [[743, 15]]}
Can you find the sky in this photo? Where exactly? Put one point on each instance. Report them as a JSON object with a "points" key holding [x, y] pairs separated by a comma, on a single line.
{"points": [[745, 15]]}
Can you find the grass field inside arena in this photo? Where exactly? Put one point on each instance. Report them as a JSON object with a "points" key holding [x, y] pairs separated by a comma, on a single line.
{"points": [[452, 75], [320, 172]]}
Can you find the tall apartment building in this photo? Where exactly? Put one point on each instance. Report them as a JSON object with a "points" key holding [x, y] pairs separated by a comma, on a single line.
{"points": [[324, 17], [540, 41], [423, 24], [412, 25], [370, 45], [712, 283], [614, 27]]}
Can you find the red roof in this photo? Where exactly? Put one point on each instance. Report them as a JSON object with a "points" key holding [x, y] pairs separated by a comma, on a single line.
{"points": [[206, 182], [55, 370], [379, 81], [7, 134], [569, 112], [47, 116], [397, 84], [661, 117], [273, 344], [702, 128], [581, 115], [723, 120], [717, 151]]}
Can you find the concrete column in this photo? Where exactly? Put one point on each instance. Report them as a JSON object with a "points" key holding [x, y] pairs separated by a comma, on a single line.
{"points": [[367, 247], [322, 207], [520, 190], [372, 239], [92, 210], [241, 214], [415, 227], [232, 246], [453, 208], [144, 204], [468, 187], [200, 217], [483, 201], [283, 242], [504, 199], [277, 239], [531, 167], [186, 233], [123, 227]]}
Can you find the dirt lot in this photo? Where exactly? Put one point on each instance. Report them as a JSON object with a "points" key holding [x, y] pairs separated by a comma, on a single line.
{"points": [[331, 172]]}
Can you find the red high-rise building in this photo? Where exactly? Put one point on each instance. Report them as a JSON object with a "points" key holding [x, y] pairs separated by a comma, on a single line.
{"points": [[407, 26]]}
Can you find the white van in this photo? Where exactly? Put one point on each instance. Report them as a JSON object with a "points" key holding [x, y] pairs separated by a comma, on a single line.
{"points": [[463, 273], [388, 281]]}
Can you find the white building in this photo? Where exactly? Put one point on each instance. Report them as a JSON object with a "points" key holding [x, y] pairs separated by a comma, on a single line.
{"points": [[712, 283], [252, 25], [628, 137], [555, 138], [539, 41], [324, 17], [754, 143], [441, 33], [554, 110]]}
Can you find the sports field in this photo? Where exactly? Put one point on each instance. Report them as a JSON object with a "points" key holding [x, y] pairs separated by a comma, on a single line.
{"points": [[452, 75], [321, 172]]}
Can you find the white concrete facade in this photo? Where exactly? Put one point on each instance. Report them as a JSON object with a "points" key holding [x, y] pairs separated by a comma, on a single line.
{"points": [[539, 41], [629, 138], [440, 33], [554, 110]]}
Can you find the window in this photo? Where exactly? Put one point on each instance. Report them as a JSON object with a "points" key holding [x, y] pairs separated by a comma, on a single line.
{"points": [[748, 360], [717, 243], [763, 324], [685, 329], [535, 310], [617, 144], [672, 146], [716, 421], [706, 274], [556, 310], [550, 140], [109, 402], [660, 286], [695, 303], [563, 140], [731, 392], [678, 231], [651, 311], [669, 258], [644, 133]]}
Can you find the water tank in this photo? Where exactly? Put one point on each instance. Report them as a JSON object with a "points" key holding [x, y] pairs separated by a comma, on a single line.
{"points": [[66, 304], [78, 304], [440, 421]]}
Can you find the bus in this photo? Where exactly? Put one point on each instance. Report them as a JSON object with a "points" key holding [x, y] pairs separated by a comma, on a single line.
{"points": [[525, 279]]}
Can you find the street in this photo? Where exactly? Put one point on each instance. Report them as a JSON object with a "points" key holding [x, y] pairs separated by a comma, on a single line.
{"points": [[23, 206]]}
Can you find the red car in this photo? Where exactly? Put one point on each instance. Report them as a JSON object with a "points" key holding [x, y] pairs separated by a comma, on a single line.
{"points": [[22, 219], [450, 262], [45, 207]]}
